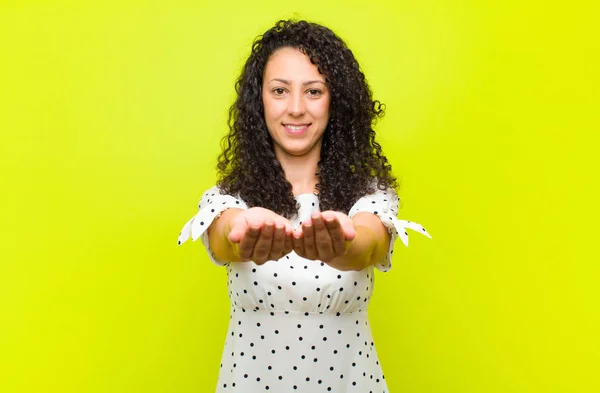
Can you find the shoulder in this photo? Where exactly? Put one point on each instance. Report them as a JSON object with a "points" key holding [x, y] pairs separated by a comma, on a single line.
{"points": [[378, 201], [215, 195]]}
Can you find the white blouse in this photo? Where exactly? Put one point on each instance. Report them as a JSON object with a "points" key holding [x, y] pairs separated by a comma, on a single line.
{"points": [[298, 325]]}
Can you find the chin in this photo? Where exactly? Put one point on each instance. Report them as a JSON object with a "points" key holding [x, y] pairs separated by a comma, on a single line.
{"points": [[297, 150]]}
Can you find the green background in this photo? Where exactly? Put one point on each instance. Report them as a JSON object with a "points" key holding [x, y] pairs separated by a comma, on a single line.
{"points": [[110, 121]]}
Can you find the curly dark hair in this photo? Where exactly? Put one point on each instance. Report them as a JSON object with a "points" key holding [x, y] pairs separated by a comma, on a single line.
{"points": [[351, 164]]}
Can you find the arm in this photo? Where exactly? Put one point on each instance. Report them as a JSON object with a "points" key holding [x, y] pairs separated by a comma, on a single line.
{"points": [[218, 234], [256, 234], [368, 247], [342, 242], [232, 232]]}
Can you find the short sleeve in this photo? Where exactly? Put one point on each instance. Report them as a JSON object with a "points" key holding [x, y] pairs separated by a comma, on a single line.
{"points": [[211, 205], [384, 204]]}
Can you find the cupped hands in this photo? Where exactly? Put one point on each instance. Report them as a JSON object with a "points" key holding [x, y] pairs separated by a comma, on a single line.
{"points": [[260, 235]]}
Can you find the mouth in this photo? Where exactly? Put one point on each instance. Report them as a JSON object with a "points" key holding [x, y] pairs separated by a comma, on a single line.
{"points": [[296, 128]]}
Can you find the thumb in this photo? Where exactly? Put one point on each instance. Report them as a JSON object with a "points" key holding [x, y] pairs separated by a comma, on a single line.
{"points": [[349, 230], [237, 232]]}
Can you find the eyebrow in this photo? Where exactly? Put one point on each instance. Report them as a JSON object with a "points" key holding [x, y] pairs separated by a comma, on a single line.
{"points": [[287, 82]]}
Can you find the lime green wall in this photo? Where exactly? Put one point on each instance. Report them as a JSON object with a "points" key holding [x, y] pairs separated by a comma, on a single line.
{"points": [[110, 118]]}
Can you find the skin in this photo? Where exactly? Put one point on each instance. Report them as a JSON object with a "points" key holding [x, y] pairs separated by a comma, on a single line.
{"points": [[295, 93], [296, 99]]}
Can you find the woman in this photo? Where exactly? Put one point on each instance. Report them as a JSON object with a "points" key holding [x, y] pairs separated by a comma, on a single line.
{"points": [[304, 209]]}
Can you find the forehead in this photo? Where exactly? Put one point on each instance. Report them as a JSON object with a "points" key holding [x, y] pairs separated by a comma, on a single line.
{"points": [[291, 64]]}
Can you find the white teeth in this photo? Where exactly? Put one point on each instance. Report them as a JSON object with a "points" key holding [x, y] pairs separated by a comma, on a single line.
{"points": [[295, 127]]}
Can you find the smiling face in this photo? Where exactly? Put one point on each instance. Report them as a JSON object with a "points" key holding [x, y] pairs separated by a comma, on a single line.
{"points": [[296, 101]]}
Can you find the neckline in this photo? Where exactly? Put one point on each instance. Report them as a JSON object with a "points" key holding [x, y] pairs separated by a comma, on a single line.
{"points": [[306, 194]]}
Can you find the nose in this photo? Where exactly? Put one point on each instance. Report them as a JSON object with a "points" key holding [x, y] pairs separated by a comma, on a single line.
{"points": [[296, 105]]}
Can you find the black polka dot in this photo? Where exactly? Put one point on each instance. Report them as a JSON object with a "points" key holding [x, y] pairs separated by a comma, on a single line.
{"points": [[245, 291]]}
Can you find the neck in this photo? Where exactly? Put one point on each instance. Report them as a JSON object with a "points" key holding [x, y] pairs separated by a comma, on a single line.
{"points": [[301, 171]]}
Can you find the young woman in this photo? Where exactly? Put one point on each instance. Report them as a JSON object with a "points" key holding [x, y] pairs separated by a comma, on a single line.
{"points": [[303, 212]]}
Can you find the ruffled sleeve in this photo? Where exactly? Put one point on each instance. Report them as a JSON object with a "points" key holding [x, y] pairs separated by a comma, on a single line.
{"points": [[211, 205], [385, 204]]}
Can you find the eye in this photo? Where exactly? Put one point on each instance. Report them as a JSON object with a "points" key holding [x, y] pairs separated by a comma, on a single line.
{"points": [[314, 92], [278, 91]]}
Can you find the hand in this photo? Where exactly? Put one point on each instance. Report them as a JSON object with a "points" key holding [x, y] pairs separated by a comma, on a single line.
{"points": [[260, 235], [323, 237]]}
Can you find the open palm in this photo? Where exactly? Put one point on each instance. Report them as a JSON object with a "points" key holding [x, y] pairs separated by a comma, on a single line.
{"points": [[260, 235], [323, 237]]}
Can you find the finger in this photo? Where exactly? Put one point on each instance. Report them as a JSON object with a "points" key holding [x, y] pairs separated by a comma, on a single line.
{"points": [[264, 242], [322, 238], [237, 232], [337, 235], [349, 231], [310, 249], [248, 241], [289, 230], [298, 242], [278, 242], [288, 244]]}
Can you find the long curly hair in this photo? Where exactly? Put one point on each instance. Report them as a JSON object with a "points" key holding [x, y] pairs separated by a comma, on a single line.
{"points": [[351, 164]]}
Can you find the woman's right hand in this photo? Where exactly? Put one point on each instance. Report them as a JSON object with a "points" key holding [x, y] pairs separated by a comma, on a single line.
{"points": [[260, 235]]}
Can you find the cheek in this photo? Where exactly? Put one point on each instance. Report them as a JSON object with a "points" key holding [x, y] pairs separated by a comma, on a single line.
{"points": [[273, 108], [321, 109]]}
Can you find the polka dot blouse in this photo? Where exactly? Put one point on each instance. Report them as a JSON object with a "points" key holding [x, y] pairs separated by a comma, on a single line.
{"points": [[298, 325]]}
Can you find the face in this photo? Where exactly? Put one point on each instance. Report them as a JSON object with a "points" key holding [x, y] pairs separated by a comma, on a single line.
{"points": [[296, 101]]}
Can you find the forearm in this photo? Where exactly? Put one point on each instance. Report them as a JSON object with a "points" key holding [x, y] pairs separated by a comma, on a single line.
{"points": [[363, 251], [218, 235]]}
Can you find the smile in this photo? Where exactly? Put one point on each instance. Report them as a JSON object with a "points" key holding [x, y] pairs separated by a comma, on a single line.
{"points": [[296, 129]]}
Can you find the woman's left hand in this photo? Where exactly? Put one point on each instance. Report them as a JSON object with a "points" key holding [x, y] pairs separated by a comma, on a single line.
{"points": [[323, 237]]}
